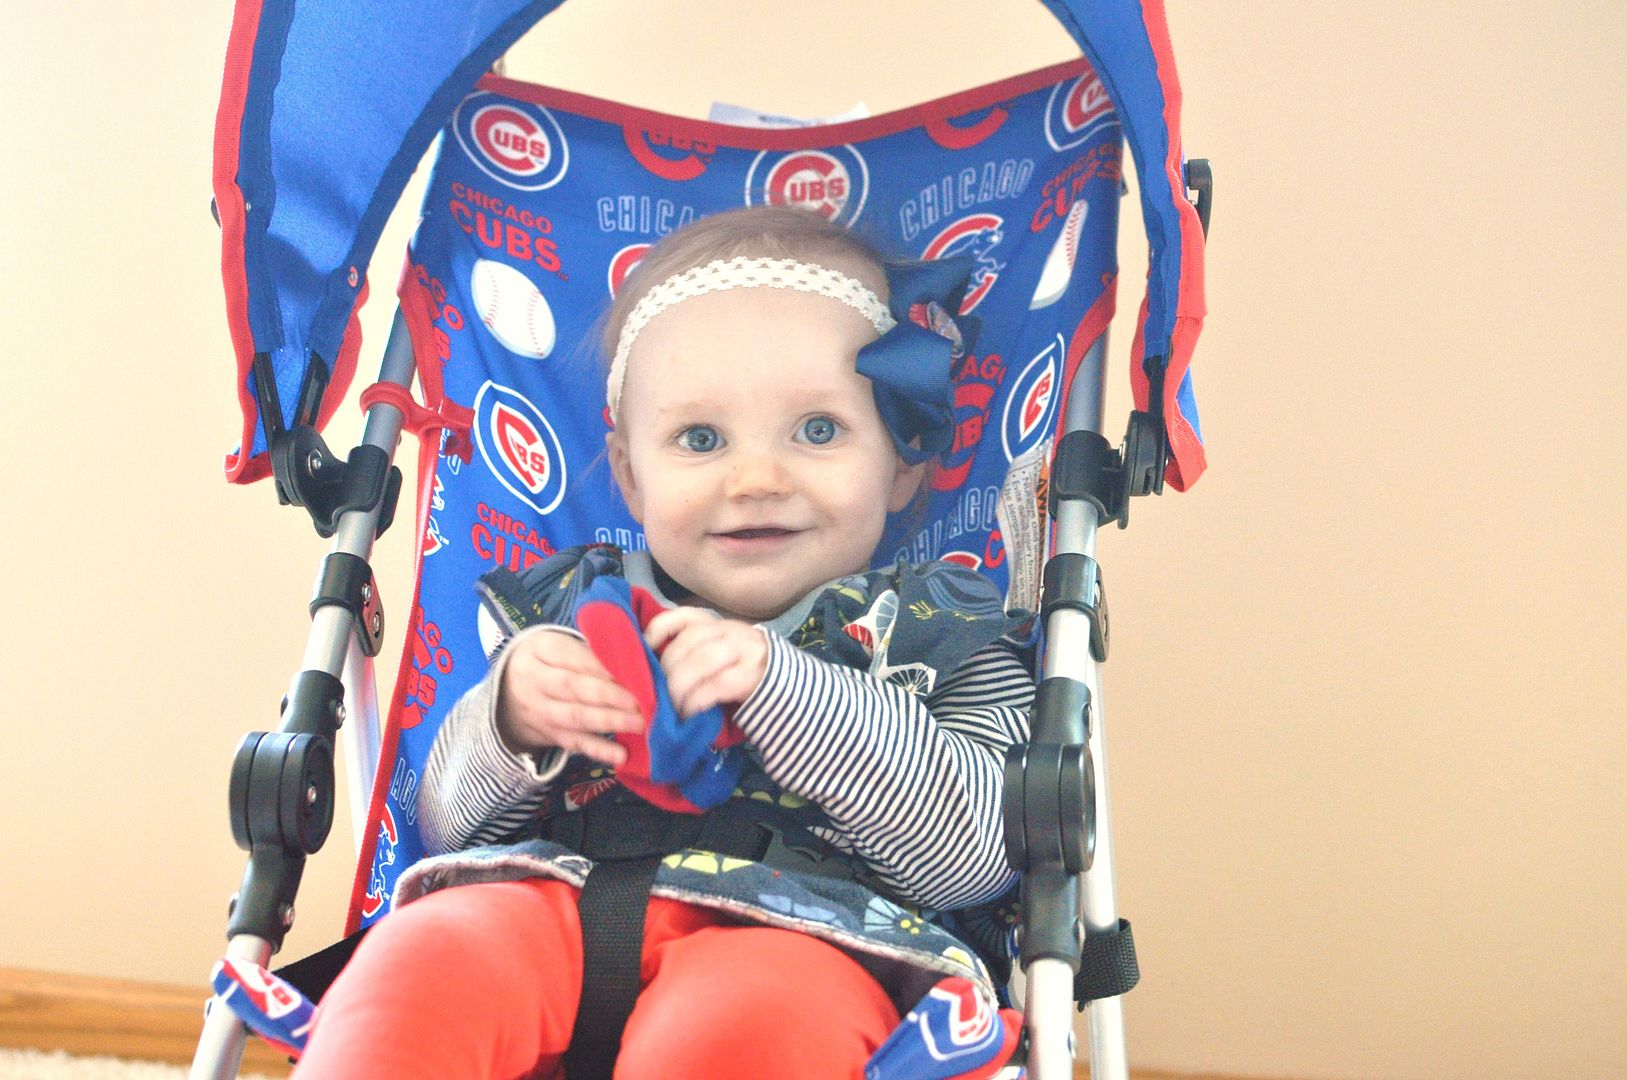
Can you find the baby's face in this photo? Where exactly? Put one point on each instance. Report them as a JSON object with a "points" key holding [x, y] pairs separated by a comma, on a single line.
{"points": [[750, 449]]}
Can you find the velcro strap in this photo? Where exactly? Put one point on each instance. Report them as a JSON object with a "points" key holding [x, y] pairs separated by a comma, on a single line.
{"points": [[1107, 966], [613, 902]]}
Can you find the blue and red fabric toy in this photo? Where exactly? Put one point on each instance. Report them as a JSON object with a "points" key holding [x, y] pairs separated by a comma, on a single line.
{"points": [[686, 765]]}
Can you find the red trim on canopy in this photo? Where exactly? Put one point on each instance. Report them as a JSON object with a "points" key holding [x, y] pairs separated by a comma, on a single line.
{"points": [[1187, 457], [234, 91], [800, 138]]}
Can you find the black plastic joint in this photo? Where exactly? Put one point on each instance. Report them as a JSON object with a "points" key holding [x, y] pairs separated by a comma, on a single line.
{"points": [[1201, 179], [1086, 466], [1074, 581], [1061, 711], [282, 791], [308, 474], [1052, 928], [315, 704], [347, 581], [264, 904]]}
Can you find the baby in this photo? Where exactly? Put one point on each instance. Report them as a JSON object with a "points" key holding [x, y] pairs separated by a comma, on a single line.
{"points": [[775, 390]]}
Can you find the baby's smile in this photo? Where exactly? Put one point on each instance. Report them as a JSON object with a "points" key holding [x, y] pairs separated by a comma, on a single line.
{"points": [[755, 541]]}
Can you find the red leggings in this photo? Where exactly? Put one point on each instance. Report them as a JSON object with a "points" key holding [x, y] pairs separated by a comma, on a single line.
{"points": [[483, 981]]}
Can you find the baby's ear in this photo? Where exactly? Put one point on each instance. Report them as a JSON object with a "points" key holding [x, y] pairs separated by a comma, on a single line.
{"points": [[906, 482], [621, 467]]}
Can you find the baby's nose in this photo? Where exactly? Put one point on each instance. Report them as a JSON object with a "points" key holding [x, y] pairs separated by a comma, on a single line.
{"points": [[758, 474]]}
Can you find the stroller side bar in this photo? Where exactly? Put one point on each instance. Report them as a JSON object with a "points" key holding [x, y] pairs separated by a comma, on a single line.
{"points": [[1064, 841], [282, 789]]}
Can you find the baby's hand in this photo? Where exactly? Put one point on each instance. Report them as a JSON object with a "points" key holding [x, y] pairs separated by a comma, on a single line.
{"points": [[554, 692], [708, 660]]}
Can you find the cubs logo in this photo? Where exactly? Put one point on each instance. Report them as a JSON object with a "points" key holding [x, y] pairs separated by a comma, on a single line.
{"points": [[515, 143], [669, 156], [975, 385], [430, 659], [831, 182], [378, 880], [1031, 409], [519, 447], [622, 263], [969, 560], [1076, 111], [976, 235]]}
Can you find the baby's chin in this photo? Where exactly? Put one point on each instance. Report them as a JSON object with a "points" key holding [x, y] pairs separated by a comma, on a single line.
{"points": [[747, 611]]}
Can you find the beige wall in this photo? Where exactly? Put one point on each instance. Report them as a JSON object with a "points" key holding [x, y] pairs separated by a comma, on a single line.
{"points": [[1366, 710]]}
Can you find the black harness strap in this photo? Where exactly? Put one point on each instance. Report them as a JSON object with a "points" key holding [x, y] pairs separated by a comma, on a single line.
{"points": [[627, 841], [612, 907]]}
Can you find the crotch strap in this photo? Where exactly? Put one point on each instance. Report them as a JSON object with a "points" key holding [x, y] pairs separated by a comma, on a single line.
{"points": [[627, 841]]}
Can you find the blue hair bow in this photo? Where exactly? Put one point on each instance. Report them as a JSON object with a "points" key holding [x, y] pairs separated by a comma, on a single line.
{"points": [[912, 366]]}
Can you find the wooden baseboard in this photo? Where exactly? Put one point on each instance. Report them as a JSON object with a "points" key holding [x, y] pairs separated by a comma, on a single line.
{"points": [[83, 1014]]}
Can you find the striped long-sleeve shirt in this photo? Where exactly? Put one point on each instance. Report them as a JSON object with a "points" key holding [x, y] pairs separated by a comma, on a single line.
{"points": [[911, 785]]}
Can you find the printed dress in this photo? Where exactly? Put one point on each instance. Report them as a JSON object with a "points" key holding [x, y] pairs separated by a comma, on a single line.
{"points": [[876, 738]]}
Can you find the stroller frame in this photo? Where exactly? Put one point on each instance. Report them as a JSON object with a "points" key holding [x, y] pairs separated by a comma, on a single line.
{"points": [[1065, 845], [1057, 818]]}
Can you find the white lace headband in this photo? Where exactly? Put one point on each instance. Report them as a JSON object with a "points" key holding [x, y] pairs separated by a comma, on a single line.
{"points": [[740, 273]]}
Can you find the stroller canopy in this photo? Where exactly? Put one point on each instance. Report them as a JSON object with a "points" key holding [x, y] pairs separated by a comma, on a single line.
{"points": [[327, 107]]}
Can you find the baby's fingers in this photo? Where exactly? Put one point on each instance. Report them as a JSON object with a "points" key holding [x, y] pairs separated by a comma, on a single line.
{"points": [[596, 747], [697, 667], [674, 621], [588, 686], [576, 716]]}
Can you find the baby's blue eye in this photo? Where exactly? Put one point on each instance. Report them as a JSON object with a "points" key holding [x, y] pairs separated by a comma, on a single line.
{"points": [[819, 430], [701, 438]]}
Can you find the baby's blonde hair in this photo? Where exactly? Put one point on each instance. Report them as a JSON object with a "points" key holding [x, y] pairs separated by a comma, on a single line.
{"points": [[764, 232]]}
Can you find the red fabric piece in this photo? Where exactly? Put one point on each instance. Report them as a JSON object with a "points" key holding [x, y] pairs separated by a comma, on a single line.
{"points": [[483, 981], [647, 607], [618, 643]]}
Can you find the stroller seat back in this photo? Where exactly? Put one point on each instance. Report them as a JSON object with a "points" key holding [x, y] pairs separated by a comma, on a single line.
{"points": [[541, 202]]}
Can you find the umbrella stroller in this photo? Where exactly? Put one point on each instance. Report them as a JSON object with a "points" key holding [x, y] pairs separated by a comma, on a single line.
{"points": [[540, 203]]}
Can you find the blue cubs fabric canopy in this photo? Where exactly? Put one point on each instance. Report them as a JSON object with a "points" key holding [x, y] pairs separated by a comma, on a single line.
{"points": [[327, 107]]}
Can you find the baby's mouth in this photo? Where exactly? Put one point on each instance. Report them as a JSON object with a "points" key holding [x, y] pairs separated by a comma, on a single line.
{"points": [[758, 534]]}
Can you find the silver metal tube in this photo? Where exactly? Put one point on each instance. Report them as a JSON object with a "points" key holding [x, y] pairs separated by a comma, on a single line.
{"points": [[1067, 653], [1076, 527], [361, 736], [220, 1048], [1048, 1014], [328, 646]]}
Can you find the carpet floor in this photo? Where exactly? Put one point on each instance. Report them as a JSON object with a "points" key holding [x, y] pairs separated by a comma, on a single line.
{"points": [[58, 1065]]}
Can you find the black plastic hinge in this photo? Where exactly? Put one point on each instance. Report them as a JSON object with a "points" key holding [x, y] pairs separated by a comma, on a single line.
{"points": [[1086, 466], [1200, 178], [1074, 581], [347, 581], [310, 475]]}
